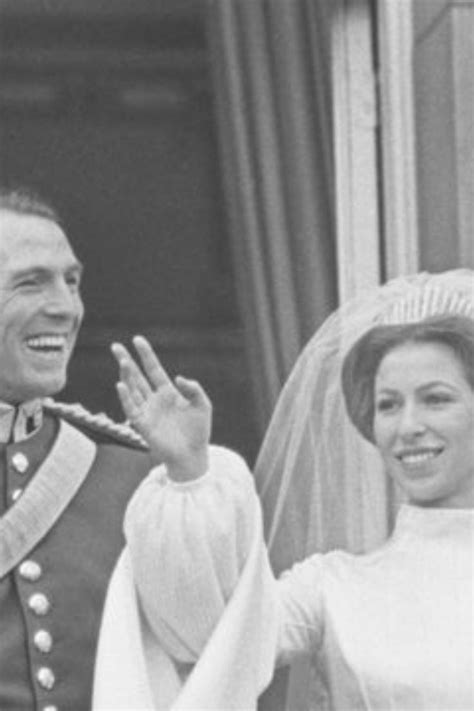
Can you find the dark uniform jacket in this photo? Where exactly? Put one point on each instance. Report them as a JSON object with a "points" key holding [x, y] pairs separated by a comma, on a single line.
{"points": [[62, 499]]}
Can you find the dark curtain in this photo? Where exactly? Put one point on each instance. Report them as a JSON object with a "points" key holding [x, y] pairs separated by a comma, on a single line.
{"points": [[271, 68]]}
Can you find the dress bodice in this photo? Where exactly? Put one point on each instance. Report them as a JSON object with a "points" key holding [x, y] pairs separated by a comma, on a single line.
{"points": [[398, 623]]}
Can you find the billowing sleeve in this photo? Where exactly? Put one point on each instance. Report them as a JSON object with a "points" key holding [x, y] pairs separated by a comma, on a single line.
{"points": [[188, 544]]}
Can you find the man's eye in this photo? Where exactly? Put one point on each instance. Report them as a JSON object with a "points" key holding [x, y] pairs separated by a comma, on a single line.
{"points": [[73, 280], [28, 282]]}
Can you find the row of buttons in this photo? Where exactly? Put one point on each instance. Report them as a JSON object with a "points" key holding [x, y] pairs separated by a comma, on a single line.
{"points": [[38, 602], [40, 605], [20, 463]]}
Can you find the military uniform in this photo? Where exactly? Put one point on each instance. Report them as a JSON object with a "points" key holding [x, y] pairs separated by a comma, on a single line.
{"points": [[63, 492]]}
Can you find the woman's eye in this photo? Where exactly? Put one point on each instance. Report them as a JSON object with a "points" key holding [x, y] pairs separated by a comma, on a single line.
{"points": [[385, 405], [437, 398]]}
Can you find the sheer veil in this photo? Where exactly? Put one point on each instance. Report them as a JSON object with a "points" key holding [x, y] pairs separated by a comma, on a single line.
{"points": [[321, 484]]}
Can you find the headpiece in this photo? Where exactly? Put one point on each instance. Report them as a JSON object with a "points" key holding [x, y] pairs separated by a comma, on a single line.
{"points": [[432, 295]]}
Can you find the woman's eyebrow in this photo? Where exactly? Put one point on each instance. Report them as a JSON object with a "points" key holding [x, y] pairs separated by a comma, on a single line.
{"points": [[386, 389], [437, 383]]}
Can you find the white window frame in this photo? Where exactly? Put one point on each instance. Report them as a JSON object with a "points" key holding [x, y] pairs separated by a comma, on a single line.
{"points": [[397, 117], [368, 172], [355, 147]]}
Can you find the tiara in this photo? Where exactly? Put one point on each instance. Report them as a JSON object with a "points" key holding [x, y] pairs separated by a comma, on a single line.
{"points": [[422, 303]]}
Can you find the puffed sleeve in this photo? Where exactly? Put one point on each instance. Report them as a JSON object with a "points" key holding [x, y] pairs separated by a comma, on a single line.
{"points": [[188, 544]]}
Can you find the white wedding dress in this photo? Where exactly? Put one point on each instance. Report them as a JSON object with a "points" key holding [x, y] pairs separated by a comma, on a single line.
{"points": [[387, 631]]}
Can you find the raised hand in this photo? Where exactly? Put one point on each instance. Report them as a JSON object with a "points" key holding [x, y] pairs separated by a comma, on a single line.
{"points": [[173, 417]]}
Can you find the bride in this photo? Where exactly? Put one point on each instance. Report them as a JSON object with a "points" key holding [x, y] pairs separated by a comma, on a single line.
{"points": [[196, 619]]}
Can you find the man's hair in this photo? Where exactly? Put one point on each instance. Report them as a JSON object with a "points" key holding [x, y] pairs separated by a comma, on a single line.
{"points": [[26, 201], [363, 359]]}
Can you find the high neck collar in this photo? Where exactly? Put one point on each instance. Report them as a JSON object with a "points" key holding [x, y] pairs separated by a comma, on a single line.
{"points": [[18, 422], [417, 522]]}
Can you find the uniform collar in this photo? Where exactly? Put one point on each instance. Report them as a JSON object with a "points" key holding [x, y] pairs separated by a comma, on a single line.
{"points": [[18, 422]]}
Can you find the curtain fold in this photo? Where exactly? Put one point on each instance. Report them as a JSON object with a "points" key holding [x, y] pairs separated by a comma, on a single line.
{"points": [[271, 68]]}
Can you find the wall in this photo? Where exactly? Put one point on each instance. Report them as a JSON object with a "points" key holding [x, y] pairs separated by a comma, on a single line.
{"points": [[444, 115]]}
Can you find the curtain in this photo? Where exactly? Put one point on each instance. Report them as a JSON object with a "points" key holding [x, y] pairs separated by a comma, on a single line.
{"points": [[271, 70]]}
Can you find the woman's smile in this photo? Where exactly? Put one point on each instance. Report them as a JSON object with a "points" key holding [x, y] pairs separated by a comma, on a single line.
{"points": [[424, 424]]}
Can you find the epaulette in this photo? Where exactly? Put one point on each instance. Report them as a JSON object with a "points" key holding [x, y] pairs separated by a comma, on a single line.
{"points": [[99, 423]]}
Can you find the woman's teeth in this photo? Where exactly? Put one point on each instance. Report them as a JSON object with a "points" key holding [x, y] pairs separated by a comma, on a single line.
{"points": [[418, 457]]}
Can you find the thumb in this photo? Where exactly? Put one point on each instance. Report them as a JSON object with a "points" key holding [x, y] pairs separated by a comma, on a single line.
{"points": [[192, 391]]}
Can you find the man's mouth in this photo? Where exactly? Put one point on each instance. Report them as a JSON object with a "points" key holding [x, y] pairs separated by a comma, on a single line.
{"points": [[48, 344]]}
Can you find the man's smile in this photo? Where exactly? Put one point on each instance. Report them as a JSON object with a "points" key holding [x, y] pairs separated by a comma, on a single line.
{"points": [[50, 346]]}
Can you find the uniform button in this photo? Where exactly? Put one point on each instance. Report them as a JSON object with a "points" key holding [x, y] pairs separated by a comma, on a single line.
{"points": [[43, 641], [30, 570], [49, 708], [46, 677], [16, 493], [39, 604], [20, 462]]}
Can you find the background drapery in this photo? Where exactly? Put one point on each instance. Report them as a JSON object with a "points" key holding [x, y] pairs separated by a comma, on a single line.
{"points": [[271, 68], [272, 63]]}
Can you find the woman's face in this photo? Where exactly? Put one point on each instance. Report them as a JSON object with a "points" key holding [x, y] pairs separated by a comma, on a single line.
{"points": [[424, 424]]}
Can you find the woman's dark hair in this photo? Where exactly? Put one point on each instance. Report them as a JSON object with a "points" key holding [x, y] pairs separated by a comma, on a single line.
{"points": [[25, 201], [362, 361]]}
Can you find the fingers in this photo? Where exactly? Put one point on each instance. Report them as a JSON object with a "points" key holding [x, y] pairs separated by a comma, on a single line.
{"points": [[129, 406], [192, 391], [153, 376], [155, 372], [135, 388], [130, 373]]}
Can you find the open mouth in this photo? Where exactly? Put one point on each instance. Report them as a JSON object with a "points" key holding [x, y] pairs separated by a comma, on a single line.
{"points": [[420, 456], [48, 344]]}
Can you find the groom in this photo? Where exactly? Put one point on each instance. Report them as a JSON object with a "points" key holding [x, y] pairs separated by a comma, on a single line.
{"points": [[65, 476]]}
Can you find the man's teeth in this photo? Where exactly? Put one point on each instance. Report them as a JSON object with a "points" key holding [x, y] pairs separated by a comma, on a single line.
{"points": [[46, 342], [418, 458]]}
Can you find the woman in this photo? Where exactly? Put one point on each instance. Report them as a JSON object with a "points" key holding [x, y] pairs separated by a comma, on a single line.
{"points": [[391, 629]]}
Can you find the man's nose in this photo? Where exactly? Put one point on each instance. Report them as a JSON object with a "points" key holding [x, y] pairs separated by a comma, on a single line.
{"points": [[61, 300]]}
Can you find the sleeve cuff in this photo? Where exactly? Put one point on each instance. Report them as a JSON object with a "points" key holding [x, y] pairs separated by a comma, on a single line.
{"points": [[160, 474]]}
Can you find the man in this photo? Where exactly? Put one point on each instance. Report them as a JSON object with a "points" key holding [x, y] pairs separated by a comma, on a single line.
{"points": [[65, 476]]}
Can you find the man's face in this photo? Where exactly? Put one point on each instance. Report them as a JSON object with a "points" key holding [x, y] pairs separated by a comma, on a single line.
{"points": [[40, 306]]}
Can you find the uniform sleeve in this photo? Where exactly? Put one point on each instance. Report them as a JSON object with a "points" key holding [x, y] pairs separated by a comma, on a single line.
{"points": [[188, 544]]}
